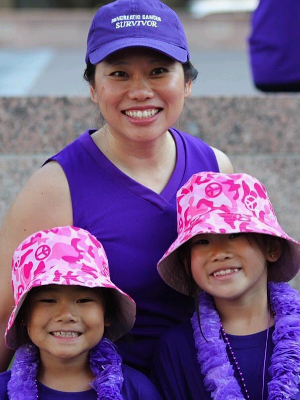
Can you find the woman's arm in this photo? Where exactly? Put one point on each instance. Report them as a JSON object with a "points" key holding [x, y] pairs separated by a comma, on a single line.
{"points": [[225, 165], [43, 203]]}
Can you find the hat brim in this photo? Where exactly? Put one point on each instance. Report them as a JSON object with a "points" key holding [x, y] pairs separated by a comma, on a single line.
{"points": [[177, 53], [118, 327], [284, 269]]}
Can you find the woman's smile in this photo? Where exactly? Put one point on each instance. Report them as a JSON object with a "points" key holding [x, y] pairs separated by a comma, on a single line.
{"points": [[140, 94]]}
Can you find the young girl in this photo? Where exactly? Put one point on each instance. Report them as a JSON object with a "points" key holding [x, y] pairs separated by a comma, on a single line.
{"points": [[243, 341], [66, 312]]}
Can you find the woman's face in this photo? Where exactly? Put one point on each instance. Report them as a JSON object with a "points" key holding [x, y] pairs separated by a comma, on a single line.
{"points": [[140, 93]]}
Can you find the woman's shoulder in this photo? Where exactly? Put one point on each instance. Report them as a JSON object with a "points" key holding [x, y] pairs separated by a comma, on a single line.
{"points": [[138, 386], [47, 189], [4, 378]]}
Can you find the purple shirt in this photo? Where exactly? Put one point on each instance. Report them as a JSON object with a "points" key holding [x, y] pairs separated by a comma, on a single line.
{"points": [[136, 386], [275, 42], [177, 374], [136, 226]]}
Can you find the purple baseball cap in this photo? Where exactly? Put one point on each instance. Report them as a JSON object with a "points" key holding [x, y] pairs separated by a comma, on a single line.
{"points": [[130, 23]]}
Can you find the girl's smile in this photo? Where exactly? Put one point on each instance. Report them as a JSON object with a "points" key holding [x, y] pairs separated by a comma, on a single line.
{"points": [[228, 266], [65, 322], [225, 272]]}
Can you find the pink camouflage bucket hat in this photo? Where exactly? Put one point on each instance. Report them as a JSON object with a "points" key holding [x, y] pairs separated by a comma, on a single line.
{"points": [[65, 256], [222, 203]]}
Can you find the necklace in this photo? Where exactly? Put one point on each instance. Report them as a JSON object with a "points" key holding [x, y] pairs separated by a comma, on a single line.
{"points": [[285, 362], [236, 363], [105, 364]]}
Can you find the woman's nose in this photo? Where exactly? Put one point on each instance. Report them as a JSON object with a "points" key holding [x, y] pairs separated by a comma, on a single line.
{"points": [[140, 90]]}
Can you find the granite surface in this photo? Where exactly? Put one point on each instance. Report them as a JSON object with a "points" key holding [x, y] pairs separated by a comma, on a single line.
{"points": [[261, 135]]}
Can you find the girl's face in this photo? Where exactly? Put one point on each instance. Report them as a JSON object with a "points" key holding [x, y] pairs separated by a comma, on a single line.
{"points": [[140, 93], [229, 266], [65, 322]]}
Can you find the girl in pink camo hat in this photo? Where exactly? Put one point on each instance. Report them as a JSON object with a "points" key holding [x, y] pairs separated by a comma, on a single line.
{"points": [[66, 313], [232, 256]]}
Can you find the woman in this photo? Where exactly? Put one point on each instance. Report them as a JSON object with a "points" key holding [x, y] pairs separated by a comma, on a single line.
{"points": [[120, 182]]}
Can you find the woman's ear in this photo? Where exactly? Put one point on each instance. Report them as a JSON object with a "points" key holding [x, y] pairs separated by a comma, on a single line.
{"points": [[274, 249], [107, 322], [187, 89], [93, 93]]}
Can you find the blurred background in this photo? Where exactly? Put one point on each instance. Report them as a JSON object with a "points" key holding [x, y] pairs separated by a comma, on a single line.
{"points": [[42, 45]]}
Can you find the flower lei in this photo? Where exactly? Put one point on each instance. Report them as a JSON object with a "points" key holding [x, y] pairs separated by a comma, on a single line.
{"points": [[105, 363], [285, 361]]}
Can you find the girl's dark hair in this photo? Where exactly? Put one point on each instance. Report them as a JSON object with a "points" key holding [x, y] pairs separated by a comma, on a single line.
{"points": [[112, 313], [184, 257], [190, 72]]}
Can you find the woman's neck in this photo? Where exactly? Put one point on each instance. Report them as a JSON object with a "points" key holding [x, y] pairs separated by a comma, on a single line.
{"points": [[245, 316], [149, 163], [65, 375]]}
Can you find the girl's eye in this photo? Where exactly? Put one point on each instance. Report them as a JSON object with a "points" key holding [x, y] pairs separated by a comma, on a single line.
{"points": [[158, 71], [201, 241], [47, 301], [235, 235], [119, 74], [84, 300]]}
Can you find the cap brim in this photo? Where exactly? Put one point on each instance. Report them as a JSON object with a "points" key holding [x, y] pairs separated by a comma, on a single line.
{"points": [[177, 53]]}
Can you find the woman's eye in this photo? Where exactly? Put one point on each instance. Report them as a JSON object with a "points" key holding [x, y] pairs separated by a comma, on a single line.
{"points": [[119, 74], [158, 71]]}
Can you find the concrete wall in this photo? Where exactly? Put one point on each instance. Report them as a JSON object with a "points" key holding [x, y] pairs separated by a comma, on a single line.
{"points": [[261, 136]]}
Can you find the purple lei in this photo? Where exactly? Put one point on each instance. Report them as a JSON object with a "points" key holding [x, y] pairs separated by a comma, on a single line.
{"points": [[105, 363], [285, 361]]}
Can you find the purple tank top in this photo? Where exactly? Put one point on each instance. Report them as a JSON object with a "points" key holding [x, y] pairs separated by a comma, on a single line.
{"points": [[135, 226]]}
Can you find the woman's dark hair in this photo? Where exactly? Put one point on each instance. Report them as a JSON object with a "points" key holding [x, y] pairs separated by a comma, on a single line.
{"points": [[89, 73], [190, 72], [112, 313]]}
